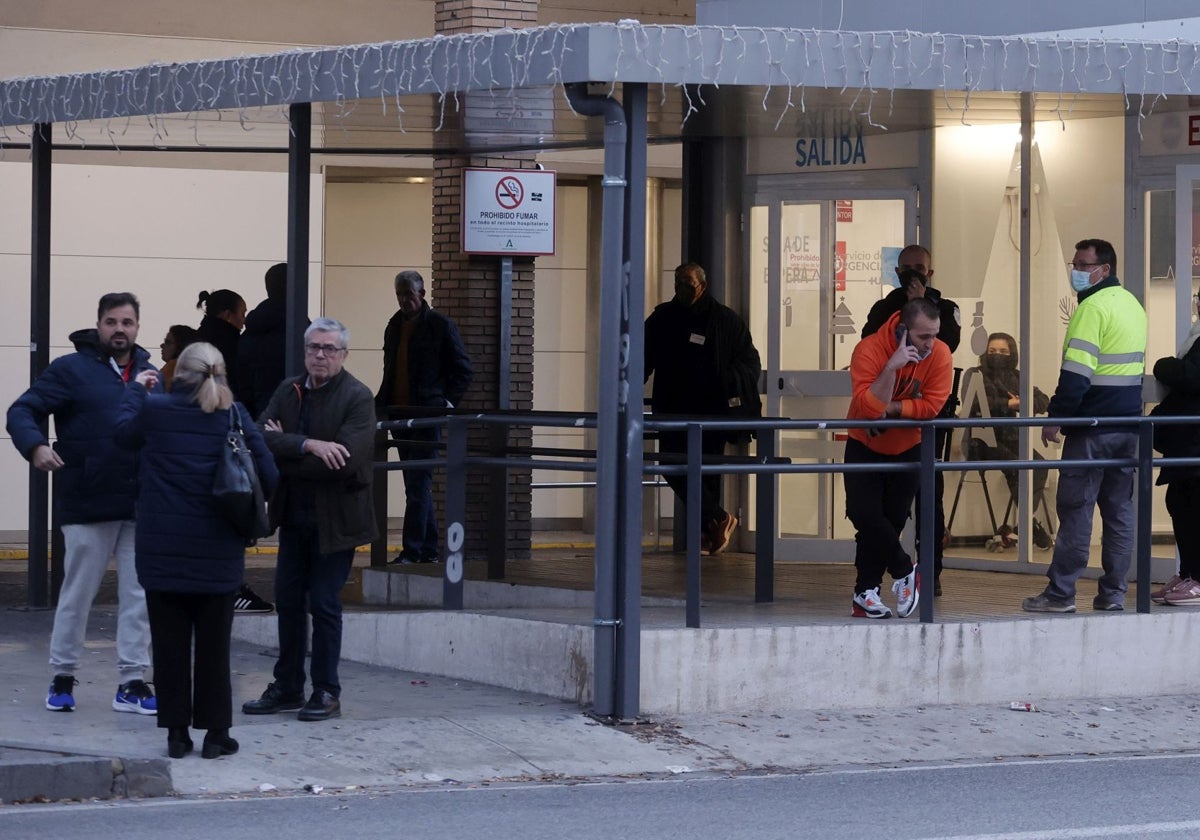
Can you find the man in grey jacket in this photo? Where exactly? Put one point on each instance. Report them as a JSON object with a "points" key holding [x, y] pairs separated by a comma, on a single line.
{"points": [[321, 429]]}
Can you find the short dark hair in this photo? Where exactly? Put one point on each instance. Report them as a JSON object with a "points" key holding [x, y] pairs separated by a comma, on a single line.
{"points": [[183, 335], [1105, 252], [114, 299], [276, 280], [919, 306], [691, 269], [222, 300], [915, 247]]}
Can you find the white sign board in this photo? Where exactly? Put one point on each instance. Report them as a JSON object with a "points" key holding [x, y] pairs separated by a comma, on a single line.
{"points": [[508, 211]]}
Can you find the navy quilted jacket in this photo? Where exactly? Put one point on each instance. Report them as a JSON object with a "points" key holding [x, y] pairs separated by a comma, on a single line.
{"points": [[98, 480], [184, 543]]}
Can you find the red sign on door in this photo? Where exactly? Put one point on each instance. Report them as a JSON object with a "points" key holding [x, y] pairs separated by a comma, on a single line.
{"points": [[839, 263], [845, 210]]}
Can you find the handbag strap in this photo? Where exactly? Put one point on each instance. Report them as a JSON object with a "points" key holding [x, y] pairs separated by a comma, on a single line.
{"points": [[235, 420]]}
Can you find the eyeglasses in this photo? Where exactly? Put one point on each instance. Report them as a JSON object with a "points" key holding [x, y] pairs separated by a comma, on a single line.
{"points": [[1081, 266], [327, 349]]}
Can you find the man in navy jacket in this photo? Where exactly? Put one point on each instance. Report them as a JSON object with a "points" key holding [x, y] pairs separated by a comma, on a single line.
{"points": [[94, 492], [424, 366]]}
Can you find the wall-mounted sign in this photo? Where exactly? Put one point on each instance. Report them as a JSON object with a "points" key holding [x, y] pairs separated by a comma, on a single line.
{"points": [[508, 211]]}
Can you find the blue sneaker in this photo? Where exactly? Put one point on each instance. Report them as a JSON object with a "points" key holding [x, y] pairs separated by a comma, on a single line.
{"points": [[137, 697], [59, 698]]}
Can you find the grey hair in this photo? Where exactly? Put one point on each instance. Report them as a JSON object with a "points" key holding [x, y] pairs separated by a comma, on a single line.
{"points": [[328, 325]]}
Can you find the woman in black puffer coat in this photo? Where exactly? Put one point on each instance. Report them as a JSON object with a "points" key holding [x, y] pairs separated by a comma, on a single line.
{"points": [[189, 557]]}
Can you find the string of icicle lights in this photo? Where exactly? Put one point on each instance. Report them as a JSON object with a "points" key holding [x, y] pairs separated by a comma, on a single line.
{"points": [[683, 60]]}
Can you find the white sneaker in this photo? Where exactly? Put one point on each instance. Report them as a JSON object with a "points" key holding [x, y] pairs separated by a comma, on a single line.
{"points": [[1159, 596], [868, 604], [907, 593]]}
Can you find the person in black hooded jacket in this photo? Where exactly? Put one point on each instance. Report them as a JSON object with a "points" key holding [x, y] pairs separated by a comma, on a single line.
{"points": [[263, 344], [224, 317]]}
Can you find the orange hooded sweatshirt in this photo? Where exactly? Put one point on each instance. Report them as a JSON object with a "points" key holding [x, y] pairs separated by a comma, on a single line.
{"points": [[921, 388]]}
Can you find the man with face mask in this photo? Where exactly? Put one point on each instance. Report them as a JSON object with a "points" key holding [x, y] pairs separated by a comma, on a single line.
{"points": [[95, 488], [704, 365], [1104, 357], [914, 272]]}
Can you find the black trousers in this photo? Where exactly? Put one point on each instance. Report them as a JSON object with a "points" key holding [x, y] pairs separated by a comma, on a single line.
{"points": [[202, 698], [1183, 503], [711, 443], [878, 504]]}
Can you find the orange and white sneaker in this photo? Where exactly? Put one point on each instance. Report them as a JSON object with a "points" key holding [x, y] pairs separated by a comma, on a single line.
{"points": [[907, 590], [867, 604]]}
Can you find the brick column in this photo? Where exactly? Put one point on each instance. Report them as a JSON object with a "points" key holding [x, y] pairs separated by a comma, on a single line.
{"points": [[465, 288]]}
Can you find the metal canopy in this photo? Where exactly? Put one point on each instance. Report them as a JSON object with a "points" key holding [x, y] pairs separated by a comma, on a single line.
{"points": [[503, 89]]}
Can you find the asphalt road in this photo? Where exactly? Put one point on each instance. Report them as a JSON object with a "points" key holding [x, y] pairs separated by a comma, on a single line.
{"points": [[1068, 799]]}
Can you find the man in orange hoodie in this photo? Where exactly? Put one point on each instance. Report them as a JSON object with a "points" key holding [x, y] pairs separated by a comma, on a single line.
{"points": [[901, 372]]}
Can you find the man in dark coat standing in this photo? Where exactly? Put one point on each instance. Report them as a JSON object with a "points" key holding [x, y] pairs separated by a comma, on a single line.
{"points": [[425, 366], [263, 344], [914, 268], [321, 429], [704, 364], [95, 488]]}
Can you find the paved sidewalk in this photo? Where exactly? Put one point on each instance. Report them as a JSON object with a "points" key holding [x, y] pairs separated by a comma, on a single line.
{"points": [[407, 729]]}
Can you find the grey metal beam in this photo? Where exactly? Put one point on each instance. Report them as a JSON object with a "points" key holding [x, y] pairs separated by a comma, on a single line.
{"points": [[299, 201]]}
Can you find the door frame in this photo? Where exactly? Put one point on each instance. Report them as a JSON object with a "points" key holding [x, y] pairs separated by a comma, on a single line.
{"points": [[774, 192]]}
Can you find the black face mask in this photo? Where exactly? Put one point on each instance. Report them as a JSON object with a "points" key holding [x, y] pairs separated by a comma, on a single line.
{"points": [[996, 362], [685, 295]]}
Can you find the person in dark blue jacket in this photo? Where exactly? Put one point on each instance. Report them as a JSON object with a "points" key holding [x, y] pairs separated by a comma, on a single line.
{"points": [[95, 485], [425, 366], [190, 558]]}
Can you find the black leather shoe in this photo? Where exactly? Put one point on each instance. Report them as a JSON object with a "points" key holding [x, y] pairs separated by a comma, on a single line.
{"points": [[218, 743], [321, 706], [273, 700], [179, 743]]}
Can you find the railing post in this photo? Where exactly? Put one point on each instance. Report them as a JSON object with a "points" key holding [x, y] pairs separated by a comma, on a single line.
{"points": [[379, 492], [764, 521], [497, 525], [695, 452], [456, 512], [1145, 490], [925, 490]]}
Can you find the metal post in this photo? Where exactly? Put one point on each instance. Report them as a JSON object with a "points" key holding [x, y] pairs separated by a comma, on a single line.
{"points": [[925, 491], [299, 199], [1145, 504], [39, 355], [764, 534], [379, 491], [456, 512], [630, 432], [497, 520], [695, 452], [1025, 385]]}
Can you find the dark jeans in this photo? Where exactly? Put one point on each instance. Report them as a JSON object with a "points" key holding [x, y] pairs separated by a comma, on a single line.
{"points": [[204, 697], [877, 504], [1183, 503], [309, 582], [420, 540], [711, 443]]}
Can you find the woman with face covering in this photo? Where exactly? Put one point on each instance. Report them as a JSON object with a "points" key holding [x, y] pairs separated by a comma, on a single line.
{"points": [[1002, 386]]}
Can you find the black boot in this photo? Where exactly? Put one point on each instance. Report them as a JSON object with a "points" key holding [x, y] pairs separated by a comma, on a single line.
{"points": [[179, 742], [218, 743]]}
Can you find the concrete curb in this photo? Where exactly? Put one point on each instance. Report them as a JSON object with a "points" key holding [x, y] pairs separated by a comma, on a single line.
{"points": [[29, 773]]}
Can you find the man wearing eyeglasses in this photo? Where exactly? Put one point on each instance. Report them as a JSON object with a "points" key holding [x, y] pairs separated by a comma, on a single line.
{"points": [[1104, 357], [321, 429]]}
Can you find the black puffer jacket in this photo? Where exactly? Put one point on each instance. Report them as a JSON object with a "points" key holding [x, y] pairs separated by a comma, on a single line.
{"points": [[261, 351], [1182, 377]]}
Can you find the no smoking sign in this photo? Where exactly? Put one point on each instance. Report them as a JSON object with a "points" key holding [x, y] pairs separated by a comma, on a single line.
{"points": [[508, 211]]}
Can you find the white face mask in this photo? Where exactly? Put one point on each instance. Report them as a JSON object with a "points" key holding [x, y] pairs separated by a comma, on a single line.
{"points": [[1081, 281]]}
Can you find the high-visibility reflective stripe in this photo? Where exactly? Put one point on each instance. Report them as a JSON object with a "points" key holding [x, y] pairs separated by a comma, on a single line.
{"points": [[1077, 367], [1121, 358], [1106, 379], [1085, 346]]}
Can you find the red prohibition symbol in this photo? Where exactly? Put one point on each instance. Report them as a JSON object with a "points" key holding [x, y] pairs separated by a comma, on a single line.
{"points": [[509, 192]]}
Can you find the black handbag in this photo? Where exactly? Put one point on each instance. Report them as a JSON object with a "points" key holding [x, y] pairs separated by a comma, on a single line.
{"points": [[236, 487]]}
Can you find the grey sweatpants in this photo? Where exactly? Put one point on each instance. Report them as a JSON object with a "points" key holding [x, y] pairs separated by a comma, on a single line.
{"points": [[88, 548], [1080, 490]]}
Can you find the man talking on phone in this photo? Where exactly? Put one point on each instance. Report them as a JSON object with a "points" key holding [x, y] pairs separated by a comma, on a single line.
{"points": [[903, 371]]}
